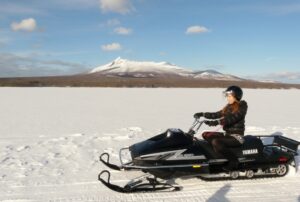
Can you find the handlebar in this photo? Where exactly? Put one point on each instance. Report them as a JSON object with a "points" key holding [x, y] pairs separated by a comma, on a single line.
{"points": [[195, 127]]}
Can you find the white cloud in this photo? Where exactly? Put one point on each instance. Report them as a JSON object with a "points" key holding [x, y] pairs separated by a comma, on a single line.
{"points": [[28, 25], [285, 75], [15, 9], [38, 7], [74, 4], [111, 47], [196, 29], [4, 41], [288, 77], [118, 6], [15, 65], [282, 8], [162, 53], [113, 22], [123, 31]]}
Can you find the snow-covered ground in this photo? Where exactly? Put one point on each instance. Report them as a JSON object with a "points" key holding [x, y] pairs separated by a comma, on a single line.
{"points": [[50, 140]]}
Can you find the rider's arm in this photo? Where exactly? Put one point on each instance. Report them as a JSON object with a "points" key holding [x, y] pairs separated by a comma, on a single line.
{"points": [[213, 115]]}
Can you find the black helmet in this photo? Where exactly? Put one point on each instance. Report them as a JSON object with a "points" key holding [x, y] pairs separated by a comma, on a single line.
{"points": [[236, 91]]}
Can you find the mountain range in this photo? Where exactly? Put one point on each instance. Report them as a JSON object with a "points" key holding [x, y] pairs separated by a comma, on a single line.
{"points": [[126, 73], [136, 69]]}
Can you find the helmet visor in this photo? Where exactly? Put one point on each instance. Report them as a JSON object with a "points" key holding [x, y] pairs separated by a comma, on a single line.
{"points": [[226, 93]]}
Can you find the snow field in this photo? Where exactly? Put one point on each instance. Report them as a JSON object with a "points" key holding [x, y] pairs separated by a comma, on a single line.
{"points": [[51, 139]]}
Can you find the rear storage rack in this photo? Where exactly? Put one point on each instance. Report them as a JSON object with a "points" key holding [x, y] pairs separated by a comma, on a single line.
{"points": [[283, 143]]}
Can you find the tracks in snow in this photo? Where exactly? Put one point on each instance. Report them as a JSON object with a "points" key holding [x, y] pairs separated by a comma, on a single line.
{"points": [[271, 189]]}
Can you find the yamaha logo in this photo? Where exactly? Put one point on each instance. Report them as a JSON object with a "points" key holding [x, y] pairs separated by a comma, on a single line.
{"points": [[250, 151]]}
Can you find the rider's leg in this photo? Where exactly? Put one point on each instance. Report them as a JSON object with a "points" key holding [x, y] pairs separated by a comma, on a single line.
{"points": [[222, 146], [209, 136]]}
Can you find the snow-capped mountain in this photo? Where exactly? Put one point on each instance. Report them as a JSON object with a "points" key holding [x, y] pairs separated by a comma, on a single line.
{"points": [[126, 68], [212, 74]]}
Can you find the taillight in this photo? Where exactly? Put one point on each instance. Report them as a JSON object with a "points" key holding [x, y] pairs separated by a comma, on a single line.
{"points": [[283, 159]]}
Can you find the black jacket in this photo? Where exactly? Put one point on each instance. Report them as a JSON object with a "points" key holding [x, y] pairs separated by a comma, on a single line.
{"points": [[232, 122]]}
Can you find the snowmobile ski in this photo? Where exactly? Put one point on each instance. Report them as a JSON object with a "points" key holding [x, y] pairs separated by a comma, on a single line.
{"points": [[106, 162], [141, 184]]}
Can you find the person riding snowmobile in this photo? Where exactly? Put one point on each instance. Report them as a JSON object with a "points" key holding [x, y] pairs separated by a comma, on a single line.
{"points": [[232, 118]]}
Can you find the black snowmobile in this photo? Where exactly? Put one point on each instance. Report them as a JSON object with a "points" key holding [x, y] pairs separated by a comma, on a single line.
{"points": [[175, 153]]}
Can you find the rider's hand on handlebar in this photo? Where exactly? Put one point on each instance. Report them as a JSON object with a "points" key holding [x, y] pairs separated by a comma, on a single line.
{"points": [[198, 115]]}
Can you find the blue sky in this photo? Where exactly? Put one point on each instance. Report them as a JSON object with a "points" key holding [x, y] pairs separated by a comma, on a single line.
{"points": [[256, 39]]}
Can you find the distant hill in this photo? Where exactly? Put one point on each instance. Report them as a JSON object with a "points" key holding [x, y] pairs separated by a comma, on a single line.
{"points": [[126, 73]]}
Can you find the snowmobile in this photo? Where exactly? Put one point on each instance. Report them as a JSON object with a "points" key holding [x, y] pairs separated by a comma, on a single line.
{"points": [[178, 154]]}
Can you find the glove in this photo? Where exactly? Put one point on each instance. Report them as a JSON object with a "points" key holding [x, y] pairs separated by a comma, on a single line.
{"points": [[212, 123], [198, 115]]}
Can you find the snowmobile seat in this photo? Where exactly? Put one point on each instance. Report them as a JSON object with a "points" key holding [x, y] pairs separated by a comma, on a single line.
{"points": [[251, 146]]}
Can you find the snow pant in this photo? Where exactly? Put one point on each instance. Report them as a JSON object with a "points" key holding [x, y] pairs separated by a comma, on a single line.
{"points": [[222, 144]]}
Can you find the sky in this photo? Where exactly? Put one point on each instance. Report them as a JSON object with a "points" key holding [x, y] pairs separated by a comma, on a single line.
{"points": [[255, 39]]}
